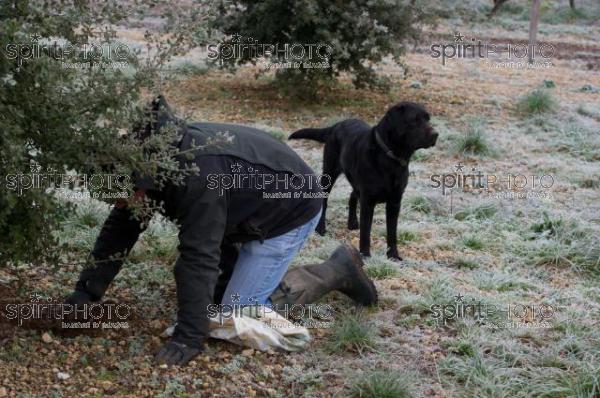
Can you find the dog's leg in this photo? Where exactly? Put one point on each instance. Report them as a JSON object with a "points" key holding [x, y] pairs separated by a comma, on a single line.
{"points": [[352, 219], [367, 208], [392, 210], [321, 225], [331, 171]]}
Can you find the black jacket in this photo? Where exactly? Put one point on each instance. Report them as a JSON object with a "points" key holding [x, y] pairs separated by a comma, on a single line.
{"points": [[250, 187]]}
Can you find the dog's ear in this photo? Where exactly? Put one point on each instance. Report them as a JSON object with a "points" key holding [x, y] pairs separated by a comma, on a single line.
{"points": [[391, 125]]}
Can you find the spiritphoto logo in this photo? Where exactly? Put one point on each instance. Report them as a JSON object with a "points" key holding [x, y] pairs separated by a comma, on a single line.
{"points": [[273, 185], [506, 55], [288, 55], [107, 54], [509, 316], [85, 316], [500, 186], [304, 315], [115, 186]]}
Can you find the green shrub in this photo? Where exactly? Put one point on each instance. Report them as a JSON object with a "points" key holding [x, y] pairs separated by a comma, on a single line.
{"points": [[479, 213], [419, 204], [464, 263], [351, 333], [59, 120], [383, 384], [405, 236], [474, 141], [472, 243], [548, 227], [357, 35], [380, 269], [537, 102]]}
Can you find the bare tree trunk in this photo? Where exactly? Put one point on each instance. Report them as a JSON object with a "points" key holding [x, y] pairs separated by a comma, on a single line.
{"points": [[534, 17], [572, 4], [497, 5]]}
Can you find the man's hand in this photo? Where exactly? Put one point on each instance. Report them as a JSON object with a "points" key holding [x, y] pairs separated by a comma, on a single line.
{"points": [[174, 353]]}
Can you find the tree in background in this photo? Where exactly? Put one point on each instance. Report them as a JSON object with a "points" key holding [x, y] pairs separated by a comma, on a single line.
{"points": [[69, 94], [360, 33]]}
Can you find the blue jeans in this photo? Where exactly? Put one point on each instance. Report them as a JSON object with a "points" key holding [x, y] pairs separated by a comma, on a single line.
{"points": [[261, 266]]}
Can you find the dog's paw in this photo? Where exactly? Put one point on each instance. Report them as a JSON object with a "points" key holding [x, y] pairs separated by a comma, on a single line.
{"points": [[352, 225], [393, 255]]}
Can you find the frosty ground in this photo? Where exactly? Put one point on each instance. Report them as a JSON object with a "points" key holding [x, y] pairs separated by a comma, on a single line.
{"points": [[541, 250]]}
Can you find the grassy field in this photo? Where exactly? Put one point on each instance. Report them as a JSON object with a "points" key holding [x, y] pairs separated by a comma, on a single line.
{"points": [[532, 262]]}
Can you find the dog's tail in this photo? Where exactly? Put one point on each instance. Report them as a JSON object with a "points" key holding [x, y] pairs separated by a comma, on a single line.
{"points": [[319, 135]]}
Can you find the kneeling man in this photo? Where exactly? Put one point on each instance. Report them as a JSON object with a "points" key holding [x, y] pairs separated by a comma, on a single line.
{"points": [[243, 218]]}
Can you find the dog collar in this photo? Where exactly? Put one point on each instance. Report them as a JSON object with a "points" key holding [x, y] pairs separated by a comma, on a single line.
{"points": [[388, 151]]}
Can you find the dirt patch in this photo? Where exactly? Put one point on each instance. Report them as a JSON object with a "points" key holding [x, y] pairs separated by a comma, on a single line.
{"points": [[17, 315]]}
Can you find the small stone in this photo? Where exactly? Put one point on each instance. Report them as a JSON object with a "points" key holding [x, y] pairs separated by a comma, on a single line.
{"points": [[156, 324], [416, 84], [46, 338], [106, 385], [63, 376], [163, 366], [248, 352], [3, 392]]}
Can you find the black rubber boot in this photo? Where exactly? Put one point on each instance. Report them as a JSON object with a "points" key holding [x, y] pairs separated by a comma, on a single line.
{"points": [[343, 271]]}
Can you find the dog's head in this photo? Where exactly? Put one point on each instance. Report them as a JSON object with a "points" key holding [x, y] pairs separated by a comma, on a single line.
{"points": [[406, 127]]}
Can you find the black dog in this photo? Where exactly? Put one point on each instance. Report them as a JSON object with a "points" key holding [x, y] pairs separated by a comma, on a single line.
{"points": [[375, 162]]}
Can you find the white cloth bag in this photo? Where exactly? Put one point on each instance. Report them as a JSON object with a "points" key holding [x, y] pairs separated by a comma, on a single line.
{"points": [[263, 331]]}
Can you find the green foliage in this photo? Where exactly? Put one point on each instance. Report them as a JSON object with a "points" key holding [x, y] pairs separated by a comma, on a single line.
{"points": [[351, 333], [473, 141], [472, 242], [360, 33], [556, 242], [405, 236], [383, 384], [279, 134], [380, 269], [419, 204], [67, 109], [481, 212], [465, 263], [548, 227], [537, 102]]}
